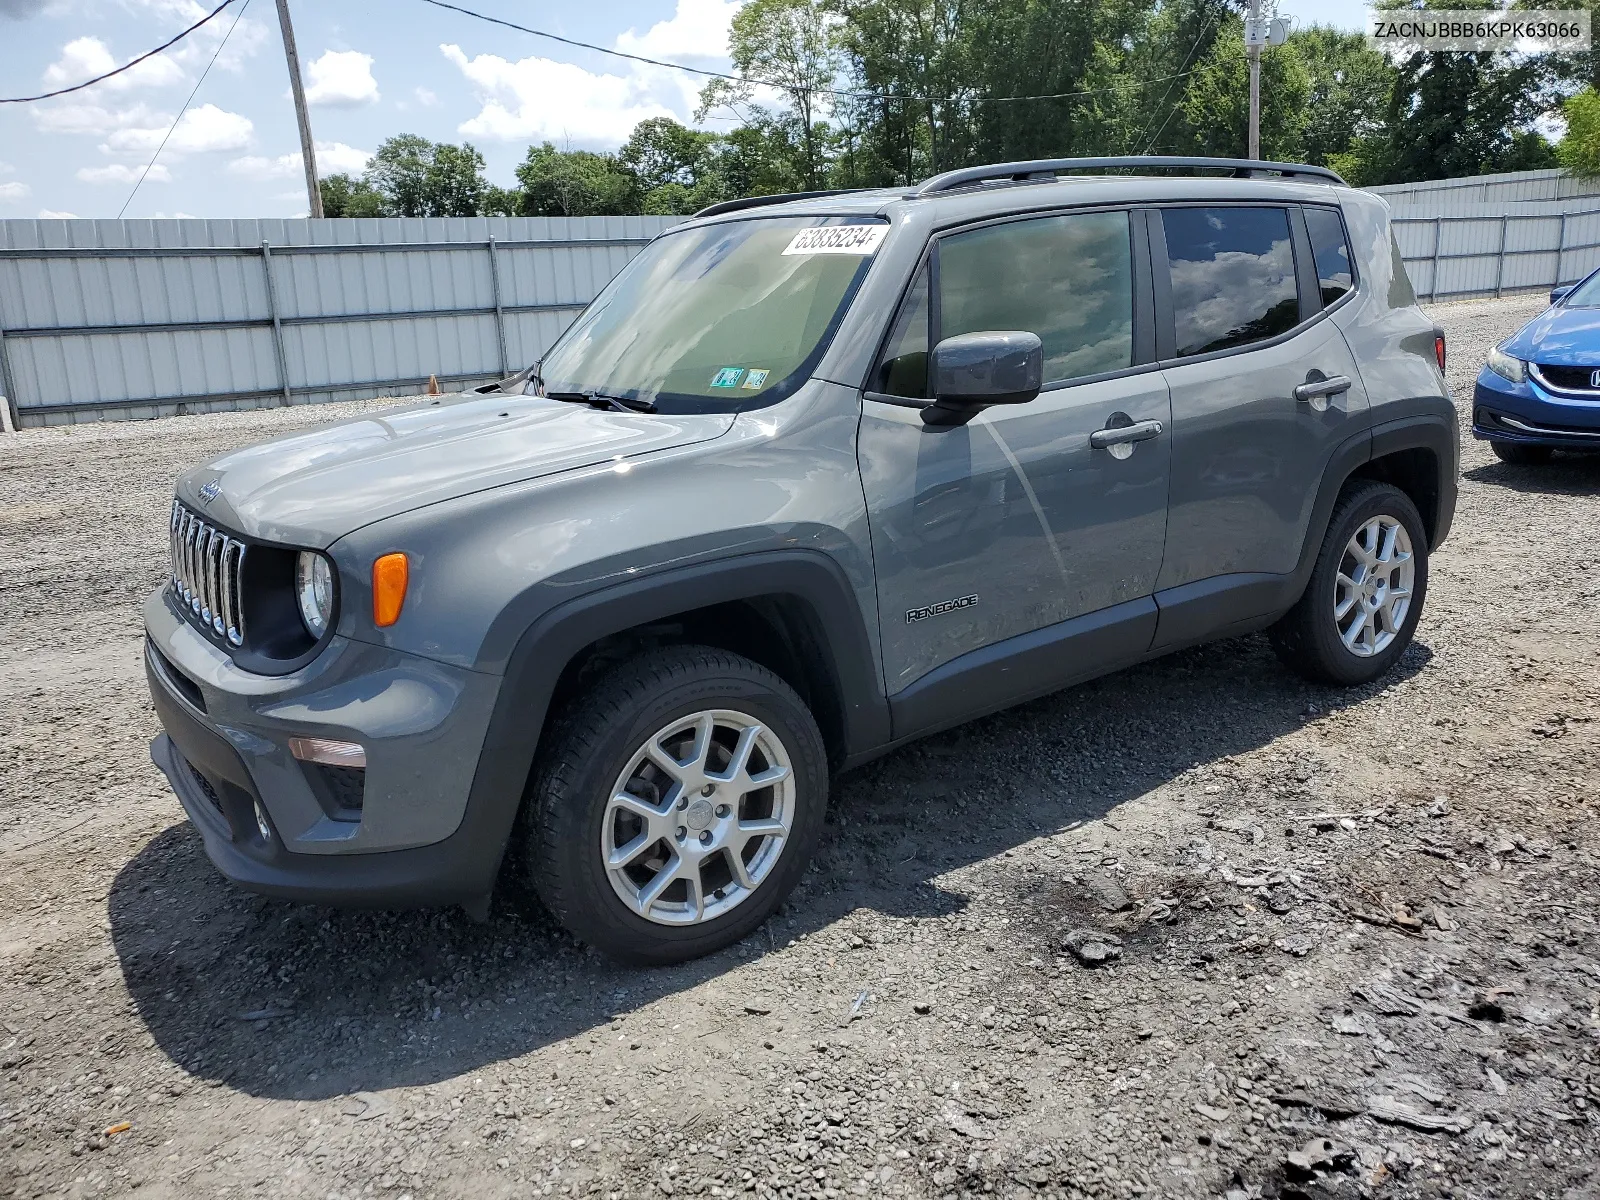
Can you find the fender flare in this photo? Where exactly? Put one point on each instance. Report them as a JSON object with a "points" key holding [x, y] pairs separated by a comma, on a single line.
{"points": [[549, 643]]}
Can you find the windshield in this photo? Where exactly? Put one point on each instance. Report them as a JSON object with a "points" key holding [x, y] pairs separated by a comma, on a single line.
{"points": [[727, 316], [1586, 294]]}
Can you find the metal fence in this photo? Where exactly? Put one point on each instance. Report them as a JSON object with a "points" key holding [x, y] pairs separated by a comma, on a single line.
{"points": [[133, 319], [1454, 257]]}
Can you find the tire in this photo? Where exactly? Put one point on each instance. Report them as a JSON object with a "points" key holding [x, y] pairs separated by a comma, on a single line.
{"points": [[1521, 454], [1311, 638], [600, 748]]}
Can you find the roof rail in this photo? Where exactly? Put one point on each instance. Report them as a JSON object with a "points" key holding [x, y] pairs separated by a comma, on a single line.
{"points": [[1046, 170], [728, 206]]}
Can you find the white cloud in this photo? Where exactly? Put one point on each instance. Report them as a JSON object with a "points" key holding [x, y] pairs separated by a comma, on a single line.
{"points": [[177, 216], [537, 98], [697, 29], [84, 116], [6, 168], [342, 78], [14, 191], [123, 173], [50, 214], [332, 158], [202, 129], [85, 57], [426, 98]]}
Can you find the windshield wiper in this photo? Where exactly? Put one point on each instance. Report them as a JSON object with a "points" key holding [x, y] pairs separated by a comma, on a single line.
{"points": [[601, 400]]}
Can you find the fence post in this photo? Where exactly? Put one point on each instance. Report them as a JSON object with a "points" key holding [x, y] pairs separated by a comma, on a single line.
{"points": [[10, 413], [1432, 287], [1561, 243], [1500, 258], [277, 324], [499, 306]]}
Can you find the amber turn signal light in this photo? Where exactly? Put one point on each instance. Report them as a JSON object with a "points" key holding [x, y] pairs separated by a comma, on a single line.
{"points": [[390, 575]]}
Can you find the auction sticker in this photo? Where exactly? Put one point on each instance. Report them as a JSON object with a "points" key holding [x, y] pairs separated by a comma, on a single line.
{"points": [[838, 239]]}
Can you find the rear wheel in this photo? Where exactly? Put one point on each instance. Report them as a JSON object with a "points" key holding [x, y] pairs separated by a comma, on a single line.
{"points": [[676, 805], [1522, 454], [1361, 607]]}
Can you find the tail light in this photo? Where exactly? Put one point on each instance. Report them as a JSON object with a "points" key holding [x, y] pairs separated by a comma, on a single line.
{"points": [[1438, 349]]}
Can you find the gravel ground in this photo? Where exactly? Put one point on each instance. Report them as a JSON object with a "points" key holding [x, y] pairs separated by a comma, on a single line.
{"points": [[1349, 938]]}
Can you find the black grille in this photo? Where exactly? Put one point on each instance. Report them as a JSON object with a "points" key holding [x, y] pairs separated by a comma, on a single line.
{"points": [[342, 789], [205, 786], [1571, 379]]}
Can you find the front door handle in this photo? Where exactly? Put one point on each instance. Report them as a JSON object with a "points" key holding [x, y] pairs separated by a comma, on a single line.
{"points": [[1123, 435], [1320, 389]]}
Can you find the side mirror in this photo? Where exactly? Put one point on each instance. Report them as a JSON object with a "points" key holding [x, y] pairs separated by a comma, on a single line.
{"points": [[1558, 294], [974, 370]]}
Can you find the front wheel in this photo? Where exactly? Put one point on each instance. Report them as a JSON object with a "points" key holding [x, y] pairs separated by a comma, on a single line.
{"points": [[676, 805], [1521, 454], [1361, 607]]}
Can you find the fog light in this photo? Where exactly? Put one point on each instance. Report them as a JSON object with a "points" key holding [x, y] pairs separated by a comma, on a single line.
{"points": [[261, 823], [328, 752]]}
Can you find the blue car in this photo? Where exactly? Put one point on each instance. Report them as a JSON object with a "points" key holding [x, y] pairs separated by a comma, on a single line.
{"points": [[1540, 390]]}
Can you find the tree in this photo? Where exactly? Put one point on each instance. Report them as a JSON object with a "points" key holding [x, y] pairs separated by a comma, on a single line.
{"points": [[790, 45], [1349, 89], [674, 167], [574, 183], [343, 196], [1216, 101], [1579, 150], [419, 178]]}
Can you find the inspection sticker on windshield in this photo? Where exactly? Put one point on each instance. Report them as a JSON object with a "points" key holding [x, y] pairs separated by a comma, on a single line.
{"points": [[727, 377], [838, 239], [755, 379]]}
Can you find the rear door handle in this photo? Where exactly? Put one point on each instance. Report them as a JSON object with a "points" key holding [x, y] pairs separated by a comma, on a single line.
{"points": [[1320, 388], [1139, 431]]}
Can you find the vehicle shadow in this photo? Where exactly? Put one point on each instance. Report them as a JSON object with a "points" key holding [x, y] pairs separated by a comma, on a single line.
{"points": [[300, 1002], [1567, 474]]}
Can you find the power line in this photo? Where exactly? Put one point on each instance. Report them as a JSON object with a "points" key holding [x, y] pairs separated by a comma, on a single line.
{"points": [[237, 17], [834, 92], [78, 87]]}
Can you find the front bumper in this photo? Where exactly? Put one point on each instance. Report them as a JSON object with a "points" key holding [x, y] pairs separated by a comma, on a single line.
{"points": [[409, 840], [1503, 411]]}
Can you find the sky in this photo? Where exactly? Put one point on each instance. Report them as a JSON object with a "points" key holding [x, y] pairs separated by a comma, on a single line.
{"points": [[371, 70]]}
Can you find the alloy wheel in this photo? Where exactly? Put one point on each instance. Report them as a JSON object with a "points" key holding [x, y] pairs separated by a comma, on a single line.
{"points": [[698, 818], [1372, 591]]}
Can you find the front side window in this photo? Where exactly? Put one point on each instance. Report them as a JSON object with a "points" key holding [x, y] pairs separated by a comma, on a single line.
{"points": [[1331, 252], [1233, 277], [720, 317], [1068, 279]]}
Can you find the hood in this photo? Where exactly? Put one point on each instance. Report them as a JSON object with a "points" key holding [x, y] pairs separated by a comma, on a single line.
{"points": [[312, 488], [1561, 336]]}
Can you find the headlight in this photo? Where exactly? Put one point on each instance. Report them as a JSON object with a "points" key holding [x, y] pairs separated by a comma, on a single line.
{"points": [[313, 588], [1503, 365]]}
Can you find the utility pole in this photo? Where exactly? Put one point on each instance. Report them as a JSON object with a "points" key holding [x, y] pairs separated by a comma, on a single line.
{"points": [[1252, 48], [308, 149]]}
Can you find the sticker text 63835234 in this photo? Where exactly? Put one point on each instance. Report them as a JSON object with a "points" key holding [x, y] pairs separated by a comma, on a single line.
{"points": [[837, 239]]}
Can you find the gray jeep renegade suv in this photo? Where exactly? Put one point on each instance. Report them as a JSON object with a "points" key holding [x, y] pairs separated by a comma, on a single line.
{"points": [[812, 477]]}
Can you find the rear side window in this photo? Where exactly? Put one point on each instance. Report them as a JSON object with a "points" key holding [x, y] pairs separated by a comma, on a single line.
{"points": [[1331, 252], [1233, 277], [1068, 279]]}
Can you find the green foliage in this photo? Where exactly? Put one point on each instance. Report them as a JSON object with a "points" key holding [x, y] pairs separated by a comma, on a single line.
{"points": [[343, 196], [419, 178], [1579, 150], [879, 93]]}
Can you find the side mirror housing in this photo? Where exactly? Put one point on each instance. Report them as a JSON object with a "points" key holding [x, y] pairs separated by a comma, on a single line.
{"points": [[1559, 294], [971, 371]]}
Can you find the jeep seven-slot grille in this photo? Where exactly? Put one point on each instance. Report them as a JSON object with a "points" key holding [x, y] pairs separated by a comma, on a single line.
{"points": [[206, 566]]}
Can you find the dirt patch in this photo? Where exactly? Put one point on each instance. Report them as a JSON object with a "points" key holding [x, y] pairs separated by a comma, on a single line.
{"points": [[1356, 950]]}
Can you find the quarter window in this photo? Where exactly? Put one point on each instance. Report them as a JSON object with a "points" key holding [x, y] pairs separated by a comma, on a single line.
{"points": [[1233, 277], [1331, 253], [904, 369]]}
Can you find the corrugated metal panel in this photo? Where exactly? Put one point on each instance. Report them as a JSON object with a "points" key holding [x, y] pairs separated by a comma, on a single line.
{"points": [[146, 318]]}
